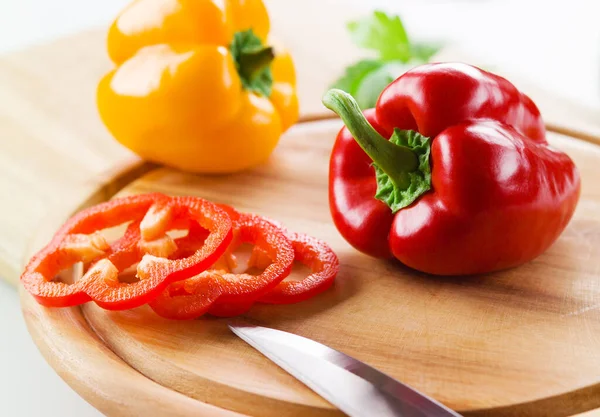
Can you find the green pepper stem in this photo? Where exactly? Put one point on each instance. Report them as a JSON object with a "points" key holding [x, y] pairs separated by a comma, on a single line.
{"points": [[396, 161], [252, 63]]}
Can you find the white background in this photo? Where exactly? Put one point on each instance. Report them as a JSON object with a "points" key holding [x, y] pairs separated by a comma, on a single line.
{"points": [[556, 43]]}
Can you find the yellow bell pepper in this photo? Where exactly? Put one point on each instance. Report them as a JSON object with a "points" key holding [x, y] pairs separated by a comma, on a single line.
{"points": [[195, 87]]}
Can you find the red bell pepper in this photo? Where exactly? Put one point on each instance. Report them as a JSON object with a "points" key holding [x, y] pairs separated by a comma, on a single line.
{"points": [[151, 216], [451, 173]]}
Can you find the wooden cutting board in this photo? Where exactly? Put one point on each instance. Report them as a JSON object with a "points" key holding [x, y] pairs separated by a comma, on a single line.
{"points": [[520, 343]]}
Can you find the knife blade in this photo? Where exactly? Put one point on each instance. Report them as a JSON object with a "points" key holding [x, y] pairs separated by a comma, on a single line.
{"points": [[354, 387]]}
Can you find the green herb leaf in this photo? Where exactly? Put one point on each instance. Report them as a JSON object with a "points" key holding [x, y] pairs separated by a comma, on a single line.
{"points": [[253, 62], [366, 79], [420, 180], [424, 51], [369, 89], [354, 76], [382, 33]]}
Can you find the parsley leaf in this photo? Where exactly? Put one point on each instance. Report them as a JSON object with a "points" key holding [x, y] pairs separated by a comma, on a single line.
{"points": [[424, 51], [386, 35], [371, 86], [354, 76], [382, 33]]}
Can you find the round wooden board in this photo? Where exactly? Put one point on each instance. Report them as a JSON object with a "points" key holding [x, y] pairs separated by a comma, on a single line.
{"points": [[521, 342]]}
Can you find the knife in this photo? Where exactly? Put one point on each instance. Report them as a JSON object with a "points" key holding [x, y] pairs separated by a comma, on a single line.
{"points": [[354, 387]]}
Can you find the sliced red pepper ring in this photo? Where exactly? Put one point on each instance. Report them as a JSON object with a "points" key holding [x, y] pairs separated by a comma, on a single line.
{"points": [[67, 248], [191, 298], [150, 215], [315, 254], [312, 252]]}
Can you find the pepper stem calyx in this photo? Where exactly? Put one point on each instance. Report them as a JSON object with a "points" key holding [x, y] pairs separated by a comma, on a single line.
{"points": [[253, 62], [401, 164]]}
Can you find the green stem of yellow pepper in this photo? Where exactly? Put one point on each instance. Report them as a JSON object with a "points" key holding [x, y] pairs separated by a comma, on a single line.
{"points": [[253, 63]]}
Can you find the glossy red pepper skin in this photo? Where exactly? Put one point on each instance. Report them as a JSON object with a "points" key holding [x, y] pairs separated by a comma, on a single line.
{"points": [[434, 97], [362, 220], [500, 195]]}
